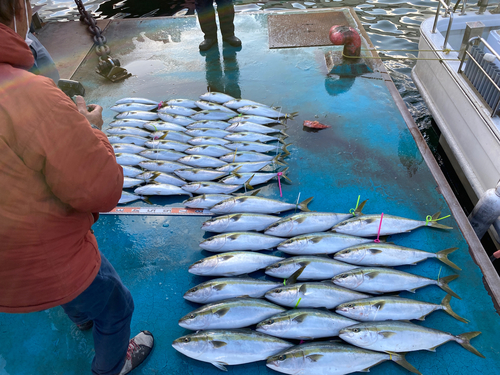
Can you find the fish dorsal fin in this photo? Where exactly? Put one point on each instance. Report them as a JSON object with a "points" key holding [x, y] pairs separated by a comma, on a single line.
{"points": [[221, 312], [218, 344], [300, 318], [314, 357]]}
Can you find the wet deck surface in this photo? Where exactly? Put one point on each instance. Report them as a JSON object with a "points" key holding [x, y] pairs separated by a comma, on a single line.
{"points": [[368, 151]]}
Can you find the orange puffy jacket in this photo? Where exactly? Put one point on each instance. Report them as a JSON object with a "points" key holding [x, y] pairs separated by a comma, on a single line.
{"points": [[55, 170]]}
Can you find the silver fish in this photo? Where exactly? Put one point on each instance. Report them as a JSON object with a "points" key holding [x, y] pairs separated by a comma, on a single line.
{"points": [[126, 107], [138, 115], [129, 123], [127, 148], [161, 189], [312, 294], [136, 100], [320, 243], [208, 141], [303, 223], [128, 130], [331, 358], [161, 165], [390, 255], [129, 159], [255, 119], [265, 111], [379, 280], [208, 124], [250, 137], [212, 115], [232, 263], [229, 287], [245, 156], [248, 126], [229, 347], [368, 225], [304, 324], [176, 119], [188, 103], [402, 337], [257, 178], [216, 97], [162, 154], [199, 174], [208, 150], [128, 197], [177, 110], [393, 308], [162, 178], [129, 182], [255, 146], [209, 187], [238, 103], [230, 313], [207, 132], [203, 104], [201, 161], [239, 222], [256, 205], [171, 135], [249, 166], [132, 139], [205, 200], [168, 145], [316, 268], [239, 241], [155, 126], [130, 171]]}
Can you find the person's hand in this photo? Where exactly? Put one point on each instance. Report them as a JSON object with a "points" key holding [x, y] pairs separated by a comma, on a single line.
{"points": [[93, 112]]}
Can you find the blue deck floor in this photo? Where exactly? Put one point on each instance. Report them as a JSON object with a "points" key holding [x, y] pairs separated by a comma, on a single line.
{"points": [[368, 151]]}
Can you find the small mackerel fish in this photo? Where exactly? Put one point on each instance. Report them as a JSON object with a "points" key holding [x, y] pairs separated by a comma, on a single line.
{"points": [[393, 308], [161, 189], [244, 156], [304, 324], [171, 135], [129, 197], [137, 100], [230, 313], [256, 205], [130, 159], [207, 141], [203, 104], [129, 171], [217, 115], [129, 182], [127, 148], [402, 337], [207, 132], [164, 166], [128, 130], [229, 347], [390, 255], [257, 178], [250, 136], [233, 263], [209, 200], [201, 161], [265, 111], [238, 103], [240, 241], [132, 139], [162, 178], [188, 103], [199, 174], [254, 146], [162, 126], [248, 166], [138, 115], [176, 119], [261, 120], [239, 222], [247, 126], [331, 358], [320, 243], [379, 280], [209, 187], [368, 225], [130, 123], [162, 154], [177, 110], [316, 267], [168, 145], [207, 150], [210, 124], [309, 222], [126, 107], [216, 97]]}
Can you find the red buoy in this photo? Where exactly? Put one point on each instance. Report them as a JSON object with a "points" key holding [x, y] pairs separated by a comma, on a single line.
{"points": [[348, 37]]}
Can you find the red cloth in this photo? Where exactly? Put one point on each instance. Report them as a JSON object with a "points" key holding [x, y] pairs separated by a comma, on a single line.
{"points": [[55, 170]]}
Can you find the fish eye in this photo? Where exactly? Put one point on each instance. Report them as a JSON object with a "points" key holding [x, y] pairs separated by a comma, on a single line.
{"points": [[278, 265], [281, 357], [270, 321], [350, 305], [187, 339], [278, 290], [343, 276], [194, 289], [356, 330], [192, 316], [347, 251]]}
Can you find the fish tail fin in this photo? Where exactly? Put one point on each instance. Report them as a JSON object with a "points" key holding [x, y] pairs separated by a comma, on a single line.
{"points": [[282, 132], [359, 210], [464, 340], [292, 115], [277, 161], [434, 224], [447, 308], [400, 359], [285, 150], [247, 184], [303, 204], [145, 199], [443, 284], [443, 257], [284, 172]]}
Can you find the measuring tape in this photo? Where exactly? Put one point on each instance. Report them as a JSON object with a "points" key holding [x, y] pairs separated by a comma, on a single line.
{"points": [[163, 211]]}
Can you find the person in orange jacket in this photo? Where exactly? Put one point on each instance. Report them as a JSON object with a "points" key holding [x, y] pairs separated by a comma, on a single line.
{"points": [[57, 168]]}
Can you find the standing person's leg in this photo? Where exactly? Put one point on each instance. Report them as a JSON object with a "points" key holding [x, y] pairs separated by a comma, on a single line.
{"points": [[109, 304], [206, 16], [225, 10]]}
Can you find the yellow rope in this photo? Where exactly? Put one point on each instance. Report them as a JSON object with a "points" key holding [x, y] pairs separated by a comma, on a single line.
{"points": [[445, 51]]}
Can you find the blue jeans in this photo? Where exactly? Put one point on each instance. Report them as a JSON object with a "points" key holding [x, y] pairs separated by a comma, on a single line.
{"points": [[109, 304], [206, 17]]}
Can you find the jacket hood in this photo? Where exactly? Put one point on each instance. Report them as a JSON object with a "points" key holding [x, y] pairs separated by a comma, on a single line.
{"points": [[14, 49]]}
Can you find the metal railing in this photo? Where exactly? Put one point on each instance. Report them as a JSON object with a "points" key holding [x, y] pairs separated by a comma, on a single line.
{"points": [[494, 107], [448, 11]]}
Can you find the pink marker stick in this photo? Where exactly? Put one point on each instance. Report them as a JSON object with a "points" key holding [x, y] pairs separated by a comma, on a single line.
{"points": [[380, 226]]}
